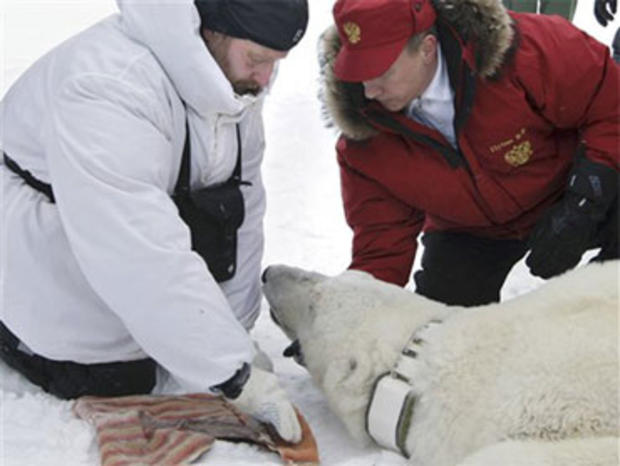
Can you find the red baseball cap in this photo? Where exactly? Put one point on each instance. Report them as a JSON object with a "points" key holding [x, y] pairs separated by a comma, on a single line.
{"points": [[374, 32]]}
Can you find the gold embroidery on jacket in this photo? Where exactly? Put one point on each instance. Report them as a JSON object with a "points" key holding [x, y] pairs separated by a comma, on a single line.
{"points": [[519, 154], [501, 145]]}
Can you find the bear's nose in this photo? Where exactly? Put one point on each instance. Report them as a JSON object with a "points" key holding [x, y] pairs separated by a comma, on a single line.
{"points": [[263, 277]]}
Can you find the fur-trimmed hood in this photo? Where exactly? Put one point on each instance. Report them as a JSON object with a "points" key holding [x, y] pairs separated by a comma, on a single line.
{"points": [[484, 23]]}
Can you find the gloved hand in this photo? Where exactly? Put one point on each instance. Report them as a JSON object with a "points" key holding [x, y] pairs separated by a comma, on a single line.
{"points": [[604, 11], [561, 237], [569, 228], [262, 398]]}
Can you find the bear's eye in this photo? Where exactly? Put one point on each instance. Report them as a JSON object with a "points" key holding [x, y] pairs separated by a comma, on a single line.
{"points": [[312, 311]]}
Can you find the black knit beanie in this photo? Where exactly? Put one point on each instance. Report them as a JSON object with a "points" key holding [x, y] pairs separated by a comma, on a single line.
{"points": [[277, 24]]}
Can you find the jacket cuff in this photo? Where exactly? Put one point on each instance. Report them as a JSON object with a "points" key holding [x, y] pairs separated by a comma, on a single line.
{"points": [[232, 387], [594, 182]]}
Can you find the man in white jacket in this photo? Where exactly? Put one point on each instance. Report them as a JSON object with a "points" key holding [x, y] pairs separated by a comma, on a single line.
{"points": [[100, 276]]}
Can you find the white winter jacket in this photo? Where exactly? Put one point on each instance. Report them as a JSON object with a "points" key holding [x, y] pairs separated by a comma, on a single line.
{"points": [[107, 273]]}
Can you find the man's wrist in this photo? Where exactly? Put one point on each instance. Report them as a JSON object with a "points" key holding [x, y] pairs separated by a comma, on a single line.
{"points": [[592, 188], [593, 180], [232, 387]]}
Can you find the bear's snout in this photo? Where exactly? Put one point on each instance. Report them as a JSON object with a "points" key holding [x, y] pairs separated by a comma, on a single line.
{"points": [[273, 317]]}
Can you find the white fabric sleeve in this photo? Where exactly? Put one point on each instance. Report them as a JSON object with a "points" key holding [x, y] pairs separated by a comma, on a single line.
{"points": [[111, 164]]}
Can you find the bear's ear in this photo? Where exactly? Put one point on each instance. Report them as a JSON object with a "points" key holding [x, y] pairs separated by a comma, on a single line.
{"points": [[338, 372], [348, 373]]}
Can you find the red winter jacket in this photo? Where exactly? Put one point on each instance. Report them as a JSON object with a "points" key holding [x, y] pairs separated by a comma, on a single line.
{"points": [[528, 95]]}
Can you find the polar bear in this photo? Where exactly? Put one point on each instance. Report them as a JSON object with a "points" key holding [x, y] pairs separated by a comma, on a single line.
{"points": [[530, 381]]}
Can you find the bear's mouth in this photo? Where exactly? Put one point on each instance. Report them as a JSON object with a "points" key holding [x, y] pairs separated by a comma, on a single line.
{"points": [[274, 318], [285, 328]]}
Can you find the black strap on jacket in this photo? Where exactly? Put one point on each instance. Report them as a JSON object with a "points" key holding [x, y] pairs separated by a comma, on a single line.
{"points": [[452, 156], [30, 180], [182, 187], [462, 79], [213, 214]]}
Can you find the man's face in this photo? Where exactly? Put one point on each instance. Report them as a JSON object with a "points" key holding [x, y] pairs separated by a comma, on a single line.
{"points": [[407, 78], [247, 65]]}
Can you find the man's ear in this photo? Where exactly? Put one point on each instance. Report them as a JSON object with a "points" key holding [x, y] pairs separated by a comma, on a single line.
{"points": [[207, 34], [212, 38], [429, 48]]}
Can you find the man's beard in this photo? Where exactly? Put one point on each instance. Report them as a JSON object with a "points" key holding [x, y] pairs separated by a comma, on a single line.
{"points": [[246, 86]]}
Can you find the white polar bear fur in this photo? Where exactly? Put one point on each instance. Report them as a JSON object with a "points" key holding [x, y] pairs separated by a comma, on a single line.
{"points": [[533, 380]]}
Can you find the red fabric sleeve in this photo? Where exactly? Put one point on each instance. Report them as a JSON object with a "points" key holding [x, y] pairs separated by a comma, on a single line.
{"points": [[572, 80], [384, 228]]}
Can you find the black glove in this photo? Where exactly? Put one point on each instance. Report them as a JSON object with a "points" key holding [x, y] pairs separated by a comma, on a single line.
{"points": [[294, 351], [604, 11], [569, 228]]}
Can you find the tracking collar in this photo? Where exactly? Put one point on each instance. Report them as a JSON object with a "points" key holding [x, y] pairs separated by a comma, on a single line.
{"points": [[393, 399]]}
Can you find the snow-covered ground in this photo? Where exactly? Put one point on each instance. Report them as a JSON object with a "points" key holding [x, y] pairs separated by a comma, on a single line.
{"points": [[304, 227]]}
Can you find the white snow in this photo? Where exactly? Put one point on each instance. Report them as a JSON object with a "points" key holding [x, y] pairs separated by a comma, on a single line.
{"points": [[304, 227]]}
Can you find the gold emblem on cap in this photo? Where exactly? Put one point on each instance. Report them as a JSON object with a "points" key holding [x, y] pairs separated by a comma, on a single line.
{"points": [[353, 32]]}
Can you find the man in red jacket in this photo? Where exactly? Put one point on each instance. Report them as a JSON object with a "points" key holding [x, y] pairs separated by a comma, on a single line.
{"points": [[492, 132]]}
